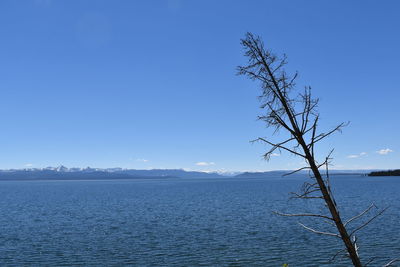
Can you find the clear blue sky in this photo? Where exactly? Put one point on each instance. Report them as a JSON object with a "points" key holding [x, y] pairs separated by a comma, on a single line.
{"points": [[152, 84]]}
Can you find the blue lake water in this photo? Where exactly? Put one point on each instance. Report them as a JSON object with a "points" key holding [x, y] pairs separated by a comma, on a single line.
{"points": [[185, 222]]}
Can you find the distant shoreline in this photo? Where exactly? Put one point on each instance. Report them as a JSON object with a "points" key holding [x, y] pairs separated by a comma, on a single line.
{"points": [[385, 173], [64, 173]]}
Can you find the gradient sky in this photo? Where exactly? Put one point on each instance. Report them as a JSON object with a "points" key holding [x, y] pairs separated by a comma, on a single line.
{"points": [[152, 84]]}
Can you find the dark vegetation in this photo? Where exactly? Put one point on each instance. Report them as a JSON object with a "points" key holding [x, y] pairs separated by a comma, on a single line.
{"points": [[385, 173]]}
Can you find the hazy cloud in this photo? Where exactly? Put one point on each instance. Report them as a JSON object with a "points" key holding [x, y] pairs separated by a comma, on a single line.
{"points": [[275, 155], [203, 163], [142, 160], [353, 156], [357, 155], [384, 151], [28, 165]]}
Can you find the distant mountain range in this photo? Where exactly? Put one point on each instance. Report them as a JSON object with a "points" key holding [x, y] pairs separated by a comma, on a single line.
{"points": [[64, 173]]}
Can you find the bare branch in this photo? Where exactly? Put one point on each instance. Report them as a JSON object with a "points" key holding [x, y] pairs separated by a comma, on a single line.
{"points": [[391, 262], [319, 232], [370, 261], [307, 186], [314, 130], [355, 243], [306, 195], [303, 215], [278, 118], [360, 214], [337, 254], [307, 190], [324, 135], [274, 146], [367, 222], [282, 147], [292, 172]]}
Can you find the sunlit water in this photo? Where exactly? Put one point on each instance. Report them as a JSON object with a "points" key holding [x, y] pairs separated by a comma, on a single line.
{"points": [[184, 222]]}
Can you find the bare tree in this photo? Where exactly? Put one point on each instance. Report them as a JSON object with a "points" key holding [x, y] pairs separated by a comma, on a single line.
{"points": [[296, 116]]}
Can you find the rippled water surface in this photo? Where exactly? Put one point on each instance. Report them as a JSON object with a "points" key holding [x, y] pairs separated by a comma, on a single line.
{"points": [[184, 222]]}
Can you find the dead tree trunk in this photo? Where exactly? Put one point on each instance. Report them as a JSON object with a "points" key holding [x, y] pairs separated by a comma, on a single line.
{"points": [[350, 246], [298, 118]]}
